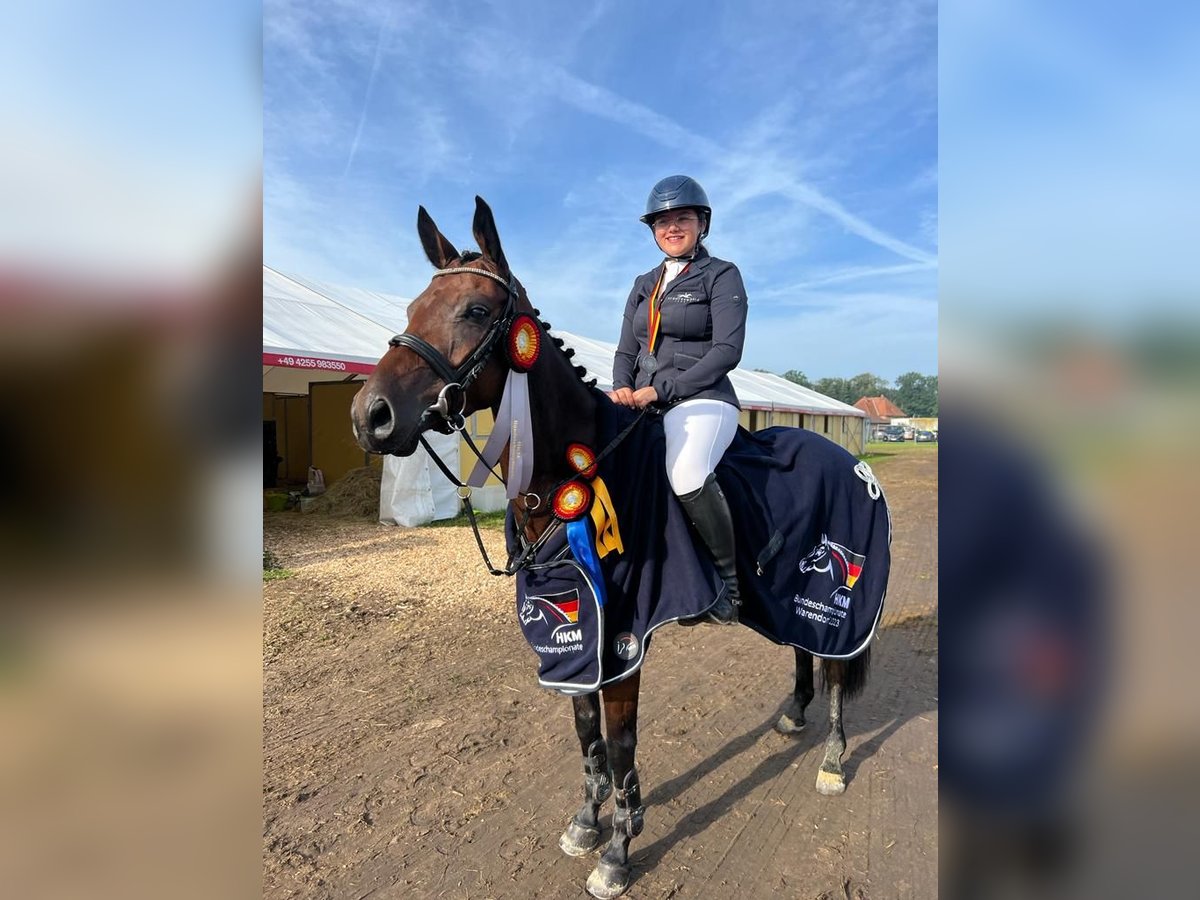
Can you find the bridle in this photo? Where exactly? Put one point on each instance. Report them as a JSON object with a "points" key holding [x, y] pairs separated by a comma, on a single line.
{"points": [[459, 379]]}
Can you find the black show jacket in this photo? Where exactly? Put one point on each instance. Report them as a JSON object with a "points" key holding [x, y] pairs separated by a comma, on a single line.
{"points": [[700, 340]]}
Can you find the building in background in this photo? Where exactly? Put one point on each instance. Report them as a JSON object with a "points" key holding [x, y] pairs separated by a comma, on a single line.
{"points": [[880, 412]]}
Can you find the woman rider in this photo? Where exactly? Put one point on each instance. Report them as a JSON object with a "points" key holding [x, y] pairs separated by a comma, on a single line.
{"points": [[683, 330]]}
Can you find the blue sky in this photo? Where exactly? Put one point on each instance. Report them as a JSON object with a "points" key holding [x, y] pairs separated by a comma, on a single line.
{"points": [[813, 127]]}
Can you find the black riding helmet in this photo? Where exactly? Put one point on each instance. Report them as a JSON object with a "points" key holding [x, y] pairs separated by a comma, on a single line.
{"points": [[678, 192]]}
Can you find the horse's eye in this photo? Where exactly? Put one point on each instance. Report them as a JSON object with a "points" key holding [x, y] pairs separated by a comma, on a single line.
{"points": [[476, 313]]}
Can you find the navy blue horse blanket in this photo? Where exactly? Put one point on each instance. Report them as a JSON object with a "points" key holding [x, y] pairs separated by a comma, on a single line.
{"points": [[813, 538]]}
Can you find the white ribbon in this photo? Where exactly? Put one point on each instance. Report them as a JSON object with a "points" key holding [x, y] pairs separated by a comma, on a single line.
{"points": [[514, 427], [863, 471]]}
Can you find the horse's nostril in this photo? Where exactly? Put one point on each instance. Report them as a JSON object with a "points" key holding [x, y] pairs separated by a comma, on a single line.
{"points": [[380, 419]]}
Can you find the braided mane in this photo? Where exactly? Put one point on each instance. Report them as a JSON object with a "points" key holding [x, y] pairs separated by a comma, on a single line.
{"points": [[470, 256], [569, 352]]}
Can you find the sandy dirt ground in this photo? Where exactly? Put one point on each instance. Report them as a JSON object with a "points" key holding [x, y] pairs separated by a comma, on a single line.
{"points": [[408, 751]]}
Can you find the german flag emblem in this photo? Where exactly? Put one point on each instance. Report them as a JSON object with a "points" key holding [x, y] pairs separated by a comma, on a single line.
{"points": [[564, 608]]}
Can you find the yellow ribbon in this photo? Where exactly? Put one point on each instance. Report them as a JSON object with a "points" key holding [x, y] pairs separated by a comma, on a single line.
{"points": [[604, 515]]}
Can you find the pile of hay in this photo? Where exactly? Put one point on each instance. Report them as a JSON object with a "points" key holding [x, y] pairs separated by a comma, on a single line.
{"points": [[354, 495]]}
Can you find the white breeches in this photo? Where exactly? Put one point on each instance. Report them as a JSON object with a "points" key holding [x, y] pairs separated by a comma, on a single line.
{"points": [[698, 434]]}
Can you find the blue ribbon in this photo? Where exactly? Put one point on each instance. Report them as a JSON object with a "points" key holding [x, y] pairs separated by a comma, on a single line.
{"points": [[582, 540]]}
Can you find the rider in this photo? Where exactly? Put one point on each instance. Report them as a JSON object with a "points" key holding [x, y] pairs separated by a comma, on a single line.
{"points": [[684, 325]]}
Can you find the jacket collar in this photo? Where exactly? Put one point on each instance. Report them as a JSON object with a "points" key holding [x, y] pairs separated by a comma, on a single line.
{"points": [[701, 255], [697, 265]]}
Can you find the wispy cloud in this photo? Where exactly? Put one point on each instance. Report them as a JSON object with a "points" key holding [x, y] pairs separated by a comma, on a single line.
{"points": [[856, 274], [607, 104], [384, 30], [821, 163]]}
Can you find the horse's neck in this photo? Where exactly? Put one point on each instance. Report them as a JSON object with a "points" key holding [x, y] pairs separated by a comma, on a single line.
{"points": [[563, 411]]}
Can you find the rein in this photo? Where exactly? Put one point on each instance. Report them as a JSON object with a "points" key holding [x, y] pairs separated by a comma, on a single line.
{"points": [[521, 560]]}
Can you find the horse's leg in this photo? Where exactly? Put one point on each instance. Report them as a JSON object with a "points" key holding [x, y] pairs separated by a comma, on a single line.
{"points": [[583, 832], [845, 679], [831, 779], [792, 719], [610, 878]]}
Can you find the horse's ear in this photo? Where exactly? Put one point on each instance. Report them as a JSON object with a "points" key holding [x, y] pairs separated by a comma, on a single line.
{"points": [[486, 235], [439, 250]]}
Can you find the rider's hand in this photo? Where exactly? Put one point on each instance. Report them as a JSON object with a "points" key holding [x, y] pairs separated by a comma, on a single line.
{"points": [[643, 397], [622, 396]]}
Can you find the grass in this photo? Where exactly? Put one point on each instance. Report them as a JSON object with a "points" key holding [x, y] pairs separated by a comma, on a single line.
{"points": [[493, 521], [880, 450], [272, 571]]}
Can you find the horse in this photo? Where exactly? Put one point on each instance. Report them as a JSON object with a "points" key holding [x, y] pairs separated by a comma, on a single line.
{"points": [[452, 360]]}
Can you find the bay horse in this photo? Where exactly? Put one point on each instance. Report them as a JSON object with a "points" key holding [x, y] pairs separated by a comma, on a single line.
{"points": [[451, 361]]}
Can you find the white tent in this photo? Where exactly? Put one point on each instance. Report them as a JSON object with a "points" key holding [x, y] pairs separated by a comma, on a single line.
{"points": [[319, 332], [766, 390], [316, 331]]}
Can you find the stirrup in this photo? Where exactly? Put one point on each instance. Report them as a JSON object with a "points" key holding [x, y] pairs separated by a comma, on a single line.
{"points": [[710, 618], [711, 615]]}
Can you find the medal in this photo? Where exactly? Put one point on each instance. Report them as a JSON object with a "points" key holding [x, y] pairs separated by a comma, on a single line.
{"points": [[648, 364]]}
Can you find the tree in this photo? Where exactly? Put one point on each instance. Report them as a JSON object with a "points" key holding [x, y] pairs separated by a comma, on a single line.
{"points": [[837, 388], [798, 377], [866, 385], [916, 394]]}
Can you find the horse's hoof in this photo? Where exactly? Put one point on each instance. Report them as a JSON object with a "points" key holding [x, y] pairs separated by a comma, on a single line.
{"points": [[830, 783], [608, 880], [788, 725], [579, 840]]}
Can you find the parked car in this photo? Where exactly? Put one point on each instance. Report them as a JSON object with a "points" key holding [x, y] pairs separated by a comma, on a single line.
{"points": [[925, 437], [892, 433]]}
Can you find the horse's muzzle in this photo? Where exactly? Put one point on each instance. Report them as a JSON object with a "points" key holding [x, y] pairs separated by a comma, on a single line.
{"points": [[373, 420], [381, 420]]}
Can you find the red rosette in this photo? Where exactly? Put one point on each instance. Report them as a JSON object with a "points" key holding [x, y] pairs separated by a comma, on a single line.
{"points": [[582, 459], [524, 342], [572, 501]]}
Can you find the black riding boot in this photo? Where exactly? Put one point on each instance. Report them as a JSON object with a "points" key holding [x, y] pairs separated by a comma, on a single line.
{"points": [[709, 512]]}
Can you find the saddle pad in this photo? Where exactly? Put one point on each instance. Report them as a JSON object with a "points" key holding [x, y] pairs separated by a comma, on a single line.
{"points": [[814, 540], [645, 585], [813, 555]]}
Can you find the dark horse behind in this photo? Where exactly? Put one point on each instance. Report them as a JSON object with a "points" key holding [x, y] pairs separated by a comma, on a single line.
{"points": [[454, 359]]}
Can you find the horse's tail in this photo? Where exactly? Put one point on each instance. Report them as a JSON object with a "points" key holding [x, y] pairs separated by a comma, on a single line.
{"points": [[851, 674]]}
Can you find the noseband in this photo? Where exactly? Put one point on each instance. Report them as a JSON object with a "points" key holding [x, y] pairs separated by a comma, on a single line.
{"points": [[459, 379]]}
